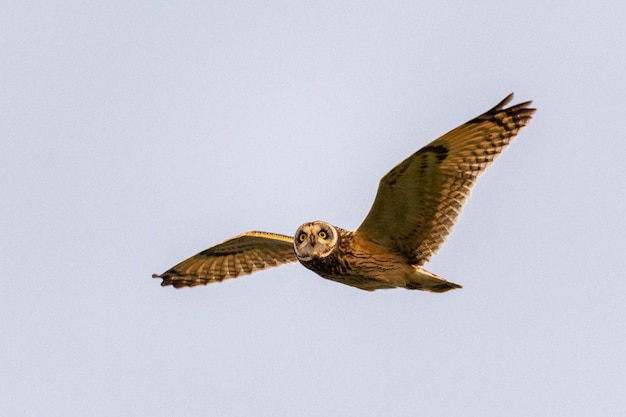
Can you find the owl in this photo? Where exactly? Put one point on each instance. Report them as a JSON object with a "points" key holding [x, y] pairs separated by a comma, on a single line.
{"points": [[414, 210]]}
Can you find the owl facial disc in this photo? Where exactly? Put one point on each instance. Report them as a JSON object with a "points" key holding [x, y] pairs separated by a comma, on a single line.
{"points": [[315, 240]]}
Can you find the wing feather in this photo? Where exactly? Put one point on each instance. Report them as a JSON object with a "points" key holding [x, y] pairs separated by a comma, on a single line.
{"points": [[419, 200], [240, 255]]}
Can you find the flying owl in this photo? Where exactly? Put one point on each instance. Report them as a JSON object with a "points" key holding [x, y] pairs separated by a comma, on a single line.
{"points": [[415, 208]]}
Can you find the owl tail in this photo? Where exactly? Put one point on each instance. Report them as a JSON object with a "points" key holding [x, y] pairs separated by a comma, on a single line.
{"points": [[423, 280]]}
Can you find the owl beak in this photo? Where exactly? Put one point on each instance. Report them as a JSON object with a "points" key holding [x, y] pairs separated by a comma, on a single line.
{"points": [[312, 240]]}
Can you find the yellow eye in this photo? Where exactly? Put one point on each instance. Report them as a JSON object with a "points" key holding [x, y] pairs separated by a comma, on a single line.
{"points": [[323, 234], [302, 237]]}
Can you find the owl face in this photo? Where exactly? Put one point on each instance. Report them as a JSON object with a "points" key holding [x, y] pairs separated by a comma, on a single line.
{"points": [[315, 240]]}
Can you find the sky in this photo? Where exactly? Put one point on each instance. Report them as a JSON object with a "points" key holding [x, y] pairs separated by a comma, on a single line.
{"points": [[135, 134]]}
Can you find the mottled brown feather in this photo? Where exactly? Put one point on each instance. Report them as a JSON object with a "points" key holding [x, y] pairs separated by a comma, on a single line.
{"points": [[419, 200], [240, 255]]}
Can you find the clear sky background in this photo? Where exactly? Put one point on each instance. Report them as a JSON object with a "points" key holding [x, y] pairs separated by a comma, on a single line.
{"points": [[135, 134]]}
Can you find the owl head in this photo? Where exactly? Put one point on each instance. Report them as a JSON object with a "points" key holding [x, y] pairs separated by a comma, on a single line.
{"points": [[315, 240]]}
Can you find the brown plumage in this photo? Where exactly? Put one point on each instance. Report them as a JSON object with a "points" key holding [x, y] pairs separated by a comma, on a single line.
{"points": [[240, 255], [416, 206]]}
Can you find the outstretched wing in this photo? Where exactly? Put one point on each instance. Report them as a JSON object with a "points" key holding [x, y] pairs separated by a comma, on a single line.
{"points": [[240, 255], [419, 200]]}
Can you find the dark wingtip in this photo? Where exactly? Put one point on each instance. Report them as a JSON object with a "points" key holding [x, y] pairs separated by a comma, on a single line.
{"points": [[500, 106], [522, 109], [504, 102], [166, 280]]}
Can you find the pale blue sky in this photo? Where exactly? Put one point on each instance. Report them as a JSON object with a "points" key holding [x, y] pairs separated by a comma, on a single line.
{"points": [[137, 134]]}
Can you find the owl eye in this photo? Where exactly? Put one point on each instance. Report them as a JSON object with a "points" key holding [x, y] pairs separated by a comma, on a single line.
{"points": [[301, 237], [323, 234]]}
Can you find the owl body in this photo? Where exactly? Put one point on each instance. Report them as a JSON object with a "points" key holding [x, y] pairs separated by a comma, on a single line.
{"points": [[415, 209], [346, 263], [343, 256]]}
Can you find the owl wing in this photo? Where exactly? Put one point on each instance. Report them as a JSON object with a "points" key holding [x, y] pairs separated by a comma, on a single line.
{"points": [[419, 200], [240, 255]]}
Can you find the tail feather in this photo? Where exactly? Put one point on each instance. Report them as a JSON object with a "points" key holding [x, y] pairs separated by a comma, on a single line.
{"points": [[427, 281]]}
